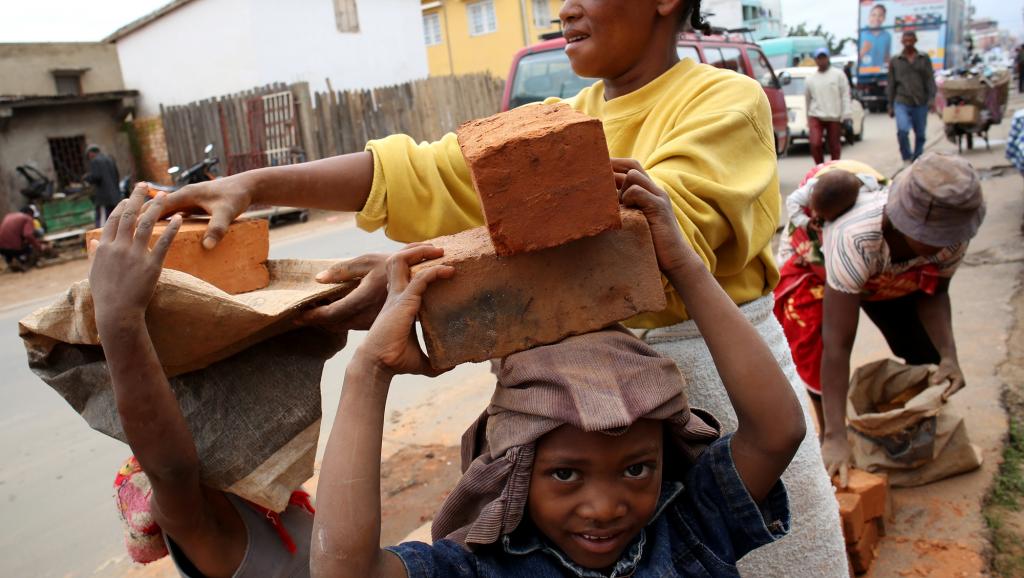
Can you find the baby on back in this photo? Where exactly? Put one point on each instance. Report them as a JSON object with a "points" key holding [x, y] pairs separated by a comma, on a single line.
{"points": [[824, 196]]}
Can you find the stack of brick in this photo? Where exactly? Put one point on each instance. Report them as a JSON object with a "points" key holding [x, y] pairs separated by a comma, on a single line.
{"points": [[557, 257], [152, 161], [238, 264], [864, 506]]}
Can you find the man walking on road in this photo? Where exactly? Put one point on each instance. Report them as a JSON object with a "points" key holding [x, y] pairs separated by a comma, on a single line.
{"points": [[828, 106], [911, 93], [103, 176]]}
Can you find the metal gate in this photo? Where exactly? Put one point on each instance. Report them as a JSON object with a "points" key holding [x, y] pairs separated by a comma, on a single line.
{"points": [[273, 134]]}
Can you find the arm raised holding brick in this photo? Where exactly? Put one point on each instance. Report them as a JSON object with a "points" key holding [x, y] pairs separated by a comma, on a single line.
{"points": [[771, 424]]}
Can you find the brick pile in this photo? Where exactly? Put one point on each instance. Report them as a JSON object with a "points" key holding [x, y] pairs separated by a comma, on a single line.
{"points": [[557, 257], [238, 264], [152, 161], [864, 505]]}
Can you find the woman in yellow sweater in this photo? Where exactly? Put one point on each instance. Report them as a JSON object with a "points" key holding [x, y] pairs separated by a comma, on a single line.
{"points": [[702, 134]]}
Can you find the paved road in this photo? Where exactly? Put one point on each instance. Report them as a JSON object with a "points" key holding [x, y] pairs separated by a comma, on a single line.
{"points": [[56, 474]]}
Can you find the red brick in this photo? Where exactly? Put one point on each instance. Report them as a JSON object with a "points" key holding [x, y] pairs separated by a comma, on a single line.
{"points": [[873, 490], [495, 306], [237, 264], [543, 176], [863, 553], [851, 511]]}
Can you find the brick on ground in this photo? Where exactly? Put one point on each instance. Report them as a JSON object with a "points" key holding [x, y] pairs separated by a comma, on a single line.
{"points": [[237, 264], [495, 306], [863, 553], [873, 490], [851, 511], [543, 176]]}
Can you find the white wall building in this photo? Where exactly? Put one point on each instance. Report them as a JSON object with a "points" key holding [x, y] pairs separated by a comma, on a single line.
{"points": [[195, 49], [764, 17]]}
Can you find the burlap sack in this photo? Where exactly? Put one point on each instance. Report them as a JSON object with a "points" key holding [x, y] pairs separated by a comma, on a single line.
{"points": [[247, 381], [923, 441]]}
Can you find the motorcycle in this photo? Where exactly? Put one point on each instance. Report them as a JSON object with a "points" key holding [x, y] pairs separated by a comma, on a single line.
{"points": [[40, 187], [200, 172]]}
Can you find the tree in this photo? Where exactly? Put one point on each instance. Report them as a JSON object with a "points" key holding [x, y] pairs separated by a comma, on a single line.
{"points": [[835, 45]]}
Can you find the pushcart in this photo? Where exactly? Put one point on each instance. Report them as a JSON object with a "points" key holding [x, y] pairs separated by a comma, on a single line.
{"points": [[971, 103]]}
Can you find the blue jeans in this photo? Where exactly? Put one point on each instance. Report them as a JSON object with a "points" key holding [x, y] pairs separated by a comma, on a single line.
{"points": [[908, 117]]}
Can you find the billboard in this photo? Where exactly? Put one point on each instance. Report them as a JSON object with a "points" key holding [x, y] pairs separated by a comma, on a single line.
{"points": [[883, 23]]}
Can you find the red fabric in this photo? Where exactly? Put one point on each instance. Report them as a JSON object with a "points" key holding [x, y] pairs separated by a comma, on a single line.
{"points": [[300, 499], [799, 303], [798, 307], [834, 130], [131, 469], [16, 231]]}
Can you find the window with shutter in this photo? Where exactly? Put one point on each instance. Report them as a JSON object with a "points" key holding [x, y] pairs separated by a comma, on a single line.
{"points": [[346, 16], [541, 13], [432, 28], [482, 18]]}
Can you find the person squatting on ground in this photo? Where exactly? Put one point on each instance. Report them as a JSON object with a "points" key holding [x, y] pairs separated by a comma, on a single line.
{"points": [[701, 134], [103, 176], [208, 533], [893, 255], [827, 92], [19, 243], [588, 461], [911, 93]]}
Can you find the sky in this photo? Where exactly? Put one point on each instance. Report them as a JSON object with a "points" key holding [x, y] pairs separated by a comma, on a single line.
{"points": [[75, 20]]}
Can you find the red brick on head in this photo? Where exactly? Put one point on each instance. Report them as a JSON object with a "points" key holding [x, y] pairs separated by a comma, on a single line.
{"points": [[495, 306], [543, 176]]}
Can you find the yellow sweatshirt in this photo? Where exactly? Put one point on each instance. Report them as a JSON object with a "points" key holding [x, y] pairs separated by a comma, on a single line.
{"points": [[703, 134]]}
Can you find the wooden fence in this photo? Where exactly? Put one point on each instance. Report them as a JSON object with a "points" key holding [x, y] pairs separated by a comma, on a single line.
{"points": [[254, 129], [423, 109], [225, 121]]}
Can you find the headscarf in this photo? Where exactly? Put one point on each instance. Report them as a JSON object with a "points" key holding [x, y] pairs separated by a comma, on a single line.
{"points": [[598, 382]]}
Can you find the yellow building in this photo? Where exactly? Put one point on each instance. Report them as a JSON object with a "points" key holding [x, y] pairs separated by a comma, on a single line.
{"points": [[464, 36]]}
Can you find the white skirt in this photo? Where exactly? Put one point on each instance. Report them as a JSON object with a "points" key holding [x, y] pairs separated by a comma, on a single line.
{"points": [[814, 546]]}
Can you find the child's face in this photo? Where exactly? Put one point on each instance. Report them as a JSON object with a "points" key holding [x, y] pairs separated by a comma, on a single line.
{"points": [[613, 35], [591, 493]]}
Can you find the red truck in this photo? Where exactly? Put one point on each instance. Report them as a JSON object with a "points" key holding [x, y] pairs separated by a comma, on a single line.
{"points": [[543, 70]]}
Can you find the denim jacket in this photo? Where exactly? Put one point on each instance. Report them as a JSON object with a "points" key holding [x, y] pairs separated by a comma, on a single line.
{"points": [[700, 528]]}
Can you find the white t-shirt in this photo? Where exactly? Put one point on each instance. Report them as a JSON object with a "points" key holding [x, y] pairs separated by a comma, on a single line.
{"points": [[828, 95]]}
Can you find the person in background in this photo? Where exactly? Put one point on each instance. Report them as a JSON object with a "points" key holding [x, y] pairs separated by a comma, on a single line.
{"points": [[103, 176], [18, 242], [1020, 69], [848, 71], [911, 94], [893, 257], [876, 43], [828, 106]]}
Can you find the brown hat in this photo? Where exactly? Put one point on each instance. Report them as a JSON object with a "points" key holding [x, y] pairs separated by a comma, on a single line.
{"points": [[598, 382], [937, 201]]}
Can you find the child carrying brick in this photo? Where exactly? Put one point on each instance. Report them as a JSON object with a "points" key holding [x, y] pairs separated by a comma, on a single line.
{"points": [[588, 461], [208, 533], [703, 134]]}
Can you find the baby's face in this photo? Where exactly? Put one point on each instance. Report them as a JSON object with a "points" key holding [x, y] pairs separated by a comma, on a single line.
{"points": [[591, 493]]}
